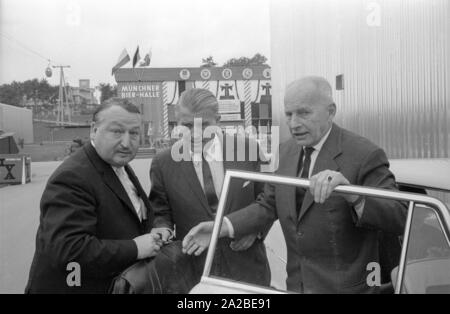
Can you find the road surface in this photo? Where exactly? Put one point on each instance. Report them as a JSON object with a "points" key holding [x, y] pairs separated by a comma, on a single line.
{"points": [[19, 220]]}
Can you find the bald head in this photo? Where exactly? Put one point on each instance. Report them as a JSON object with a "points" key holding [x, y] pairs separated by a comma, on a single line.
{"points": [[310, 90], [309, 109]]}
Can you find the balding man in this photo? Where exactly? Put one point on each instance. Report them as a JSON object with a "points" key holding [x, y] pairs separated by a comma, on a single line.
{"points": [[330, 239], [186, 192], [95, 217]]}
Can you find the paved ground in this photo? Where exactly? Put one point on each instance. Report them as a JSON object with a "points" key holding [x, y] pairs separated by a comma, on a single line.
{"points": [[19, 219]]}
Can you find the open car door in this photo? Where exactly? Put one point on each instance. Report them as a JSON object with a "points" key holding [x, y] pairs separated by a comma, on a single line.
{"points": [[424, 265]]}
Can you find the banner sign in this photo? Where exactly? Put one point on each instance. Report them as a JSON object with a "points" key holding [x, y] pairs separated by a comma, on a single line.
{"points": [[140, 90], [255, 72], [229, 106], [231, 117]]}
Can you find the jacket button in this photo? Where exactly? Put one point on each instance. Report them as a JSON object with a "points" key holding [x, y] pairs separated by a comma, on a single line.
{"points": [[300, 233]]}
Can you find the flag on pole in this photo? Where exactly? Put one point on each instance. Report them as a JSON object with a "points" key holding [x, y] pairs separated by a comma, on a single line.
{"points": [[147, 59], [123, 59], [136, 57]]}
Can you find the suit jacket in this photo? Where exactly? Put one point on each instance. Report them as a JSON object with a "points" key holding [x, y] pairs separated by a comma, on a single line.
{"points": [[88, 218], [328, 245], [178, 200]]}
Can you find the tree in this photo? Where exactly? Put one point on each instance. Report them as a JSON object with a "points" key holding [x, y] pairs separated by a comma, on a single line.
{"points": [[237, 62], [10, 95], [107, 91], [16, 92], [257, 59], [208, 62], [46, 91]]}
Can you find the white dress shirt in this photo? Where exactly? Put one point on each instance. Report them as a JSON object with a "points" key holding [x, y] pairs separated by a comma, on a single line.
{"points": [[131, 190], [129, 187]]}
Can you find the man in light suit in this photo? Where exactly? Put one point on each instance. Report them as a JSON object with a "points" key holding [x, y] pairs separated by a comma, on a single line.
{"points": [[330, 238], [186, 192], [94, 212]]}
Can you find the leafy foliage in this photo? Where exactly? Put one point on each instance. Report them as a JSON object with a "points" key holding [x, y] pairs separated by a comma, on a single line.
{"points": [[16, 92], [208, 62], [108, 91], [257, 59]]}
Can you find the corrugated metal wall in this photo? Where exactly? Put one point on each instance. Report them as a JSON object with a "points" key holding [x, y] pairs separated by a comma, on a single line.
{"points": [[395, 58]]}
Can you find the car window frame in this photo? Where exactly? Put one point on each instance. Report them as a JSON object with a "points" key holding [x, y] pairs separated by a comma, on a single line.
{"points": [[442, 212]]}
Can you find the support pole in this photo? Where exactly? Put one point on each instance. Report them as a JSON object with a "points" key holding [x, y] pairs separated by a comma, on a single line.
{"points": [[61, 106]]}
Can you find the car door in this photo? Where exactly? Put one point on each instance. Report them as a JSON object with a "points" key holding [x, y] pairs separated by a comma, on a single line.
{"points": [[424, 264]]}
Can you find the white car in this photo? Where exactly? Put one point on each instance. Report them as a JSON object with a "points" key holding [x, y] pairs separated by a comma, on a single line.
{"points": [[425, 257]]}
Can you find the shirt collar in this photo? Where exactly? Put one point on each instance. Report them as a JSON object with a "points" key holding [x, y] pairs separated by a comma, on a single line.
{"points": [[319, 145], [117, 169]]}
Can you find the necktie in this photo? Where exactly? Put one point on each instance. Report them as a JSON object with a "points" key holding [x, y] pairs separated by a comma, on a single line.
{"points": [[307, 162], [208, 184], [131, 190], [303, 166]]}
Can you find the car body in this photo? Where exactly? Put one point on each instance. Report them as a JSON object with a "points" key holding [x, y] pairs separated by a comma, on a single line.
{"points": [[425, 259]]}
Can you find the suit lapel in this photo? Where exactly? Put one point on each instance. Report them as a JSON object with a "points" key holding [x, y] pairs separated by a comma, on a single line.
{"points": [[325, 161], [110, 178], [233, 163], [289, 168], [116, 186], [230, 151], [141, 193], [229, 163], [187, 169]]}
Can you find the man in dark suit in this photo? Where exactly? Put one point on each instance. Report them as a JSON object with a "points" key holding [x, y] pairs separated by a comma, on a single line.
{"points": [[331, 239], [95, 217], [185, 191]]}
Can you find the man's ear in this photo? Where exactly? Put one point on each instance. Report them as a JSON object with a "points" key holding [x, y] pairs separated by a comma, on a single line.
{"points": [[218, 118], [332, 110], [93, 130]]}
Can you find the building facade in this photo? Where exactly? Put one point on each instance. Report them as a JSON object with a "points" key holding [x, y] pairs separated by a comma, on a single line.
{"points": [[17, 120], [243, 93], [387, 60]]}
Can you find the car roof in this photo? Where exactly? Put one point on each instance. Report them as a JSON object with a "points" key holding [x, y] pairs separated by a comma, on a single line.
{"points": [[428, 173]]}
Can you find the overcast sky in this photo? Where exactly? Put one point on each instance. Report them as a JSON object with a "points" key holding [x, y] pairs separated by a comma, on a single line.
{"points": [[89, 35]]}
